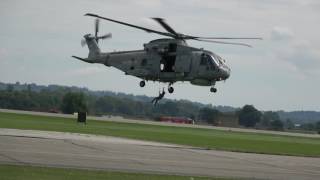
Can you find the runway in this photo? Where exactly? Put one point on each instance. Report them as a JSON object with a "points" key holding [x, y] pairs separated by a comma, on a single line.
{"points": [[58, 149]]}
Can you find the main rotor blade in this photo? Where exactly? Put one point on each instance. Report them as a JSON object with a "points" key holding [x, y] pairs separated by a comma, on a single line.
{"points": [[131, 25], [109, 35], [96, 27], [165, 26], [248, 38], [222, 42]]}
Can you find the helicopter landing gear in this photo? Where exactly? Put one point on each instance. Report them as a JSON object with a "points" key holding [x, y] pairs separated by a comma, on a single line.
{"points": [[213, 89], [170, 88], [142, 83]]}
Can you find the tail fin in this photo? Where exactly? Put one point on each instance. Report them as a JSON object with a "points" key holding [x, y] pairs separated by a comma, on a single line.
{"points": [[82, 59], [94, 49]]}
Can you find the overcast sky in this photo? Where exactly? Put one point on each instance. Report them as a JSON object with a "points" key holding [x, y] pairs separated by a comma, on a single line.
{"points": [[37, 38]]}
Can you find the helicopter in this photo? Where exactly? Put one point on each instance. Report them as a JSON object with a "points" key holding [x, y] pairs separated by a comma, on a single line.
{"points": [[168, 60]]}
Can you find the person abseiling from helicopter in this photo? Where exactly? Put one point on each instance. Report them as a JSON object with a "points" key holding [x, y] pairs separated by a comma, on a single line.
{"points": [[156, 99]]}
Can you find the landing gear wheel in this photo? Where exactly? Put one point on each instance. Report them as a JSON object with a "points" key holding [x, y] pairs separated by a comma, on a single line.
{"points": [[170, 89], [142, 83], [212, 89]]}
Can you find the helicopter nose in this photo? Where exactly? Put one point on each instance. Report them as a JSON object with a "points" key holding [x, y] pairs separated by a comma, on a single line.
{"points": [[225, 72]]}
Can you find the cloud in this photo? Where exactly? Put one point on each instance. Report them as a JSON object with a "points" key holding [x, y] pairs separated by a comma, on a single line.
{"points": [[303, 57], [281, 33], [299, 54]]}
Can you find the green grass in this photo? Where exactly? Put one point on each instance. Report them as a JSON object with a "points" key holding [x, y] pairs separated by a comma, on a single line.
{"points": [[205, 138], [11, 172]]}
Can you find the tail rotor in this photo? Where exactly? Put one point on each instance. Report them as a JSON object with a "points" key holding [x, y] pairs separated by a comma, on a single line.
{"points": [[96, 31]]}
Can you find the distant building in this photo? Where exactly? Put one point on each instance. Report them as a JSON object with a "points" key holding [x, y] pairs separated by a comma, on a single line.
{"points": [[297, 125], [227, 120]]}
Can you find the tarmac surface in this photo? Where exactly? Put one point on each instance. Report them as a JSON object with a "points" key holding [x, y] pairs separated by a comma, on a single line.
{"points": [[57, 149]]}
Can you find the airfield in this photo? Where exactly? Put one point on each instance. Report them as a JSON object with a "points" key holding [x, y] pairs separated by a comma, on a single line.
{"points": [[99, 152], [125, 120]]}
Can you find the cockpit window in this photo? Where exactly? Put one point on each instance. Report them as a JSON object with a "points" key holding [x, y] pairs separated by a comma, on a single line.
{"points": [[210, 62], [215, 60], [207, 60], [220, 60]]}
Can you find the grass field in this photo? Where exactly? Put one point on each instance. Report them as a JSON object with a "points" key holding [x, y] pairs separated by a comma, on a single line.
{"points": [[11, 172], [205, 138]]}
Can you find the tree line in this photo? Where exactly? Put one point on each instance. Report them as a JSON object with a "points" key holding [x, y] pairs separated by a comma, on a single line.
{"points": [[68, 100]]}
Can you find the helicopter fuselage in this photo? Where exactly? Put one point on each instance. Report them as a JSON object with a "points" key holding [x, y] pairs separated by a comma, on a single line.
{"points": [[166, 60]]}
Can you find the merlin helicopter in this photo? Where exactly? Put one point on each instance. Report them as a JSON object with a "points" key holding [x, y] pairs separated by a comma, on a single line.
{"points": [[167, 60]]}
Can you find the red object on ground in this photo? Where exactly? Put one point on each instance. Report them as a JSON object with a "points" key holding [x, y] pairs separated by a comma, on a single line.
{"points": [[181, 120]]}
